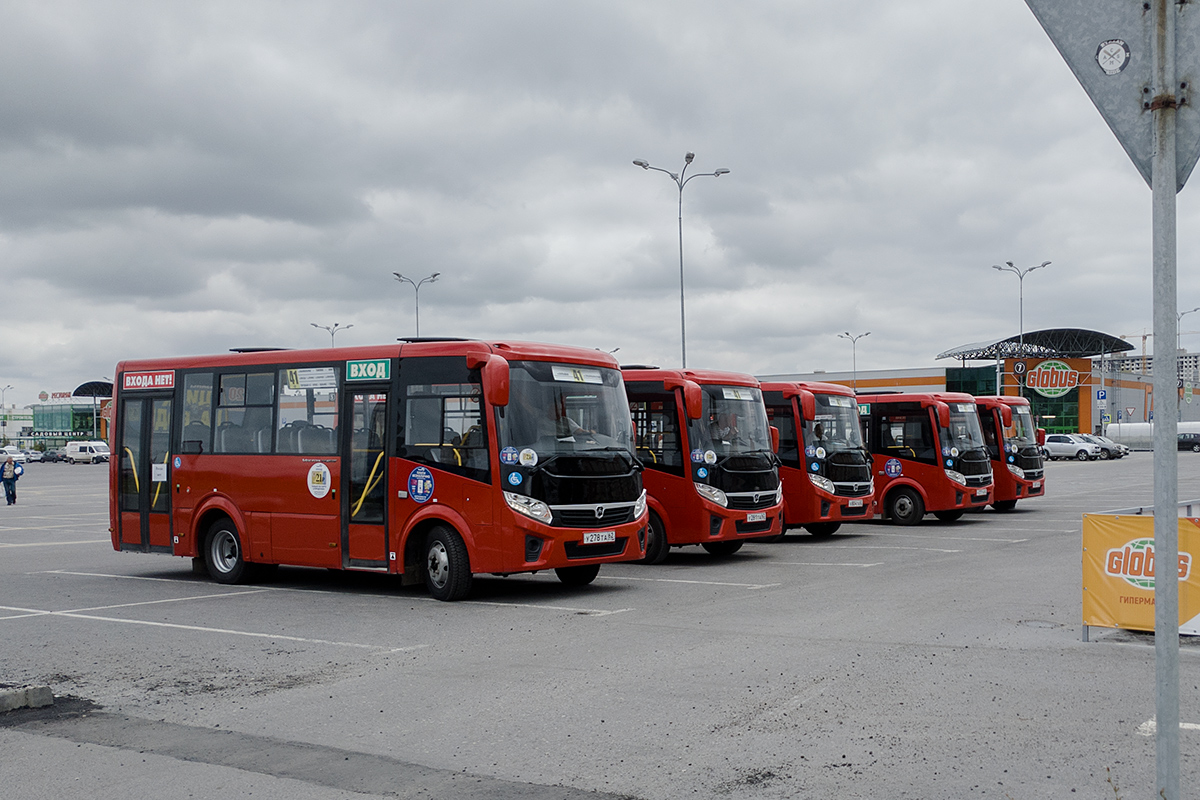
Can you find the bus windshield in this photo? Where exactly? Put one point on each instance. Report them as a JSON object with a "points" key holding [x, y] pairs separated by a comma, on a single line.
{"points": [[1021, 432], [836, 425], [733, 422], [964, 432], [555, 409]]}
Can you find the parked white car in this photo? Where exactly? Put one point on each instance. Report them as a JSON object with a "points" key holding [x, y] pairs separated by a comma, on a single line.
{"points": [[12, 450], [1069, 445]]}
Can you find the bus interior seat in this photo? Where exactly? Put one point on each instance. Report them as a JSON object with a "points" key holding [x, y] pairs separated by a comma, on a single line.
{"points": [[317, 439]]}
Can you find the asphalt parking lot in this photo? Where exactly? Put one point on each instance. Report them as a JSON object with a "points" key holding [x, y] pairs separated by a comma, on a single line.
{"points": [[942, 661]]}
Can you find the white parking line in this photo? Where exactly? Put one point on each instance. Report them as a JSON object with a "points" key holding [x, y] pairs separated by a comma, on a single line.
{"points": [[824, 564], [952, 538], [1150, 727], [54, 544], [886, 547], [680, 580]]}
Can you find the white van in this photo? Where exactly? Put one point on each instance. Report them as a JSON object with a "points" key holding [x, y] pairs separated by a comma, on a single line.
{"points": [[86, 452]]}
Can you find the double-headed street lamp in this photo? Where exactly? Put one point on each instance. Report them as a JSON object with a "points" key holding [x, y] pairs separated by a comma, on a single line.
{"points": [[332, 330], [417, 292], [1178, 319], [854, 354], [4, 414], [681, 179], [1020, 273]]}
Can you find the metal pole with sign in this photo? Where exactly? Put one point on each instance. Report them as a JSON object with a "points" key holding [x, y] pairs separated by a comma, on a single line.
{"points": [[1137, 62]]}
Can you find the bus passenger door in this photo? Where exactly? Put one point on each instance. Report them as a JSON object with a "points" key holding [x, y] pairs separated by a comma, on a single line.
{"points": [[144, 450], [365, 414]]}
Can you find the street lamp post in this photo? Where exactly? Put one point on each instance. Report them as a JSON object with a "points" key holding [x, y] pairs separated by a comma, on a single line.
{"points": [[4, 415], [1178, 319], [1020, 273], [332, 330], [417, 293], [681, 181], [854, 354]]}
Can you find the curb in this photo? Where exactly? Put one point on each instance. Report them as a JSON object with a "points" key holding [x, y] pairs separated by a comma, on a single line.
{"points": [[25, 697]]}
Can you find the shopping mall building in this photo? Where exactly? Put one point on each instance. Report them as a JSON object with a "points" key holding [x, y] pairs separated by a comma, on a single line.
{"points": [[1077, 381]]}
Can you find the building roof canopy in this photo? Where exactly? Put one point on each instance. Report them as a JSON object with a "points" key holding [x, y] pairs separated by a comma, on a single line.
{"points": [[93, 389], [1048, 343]]}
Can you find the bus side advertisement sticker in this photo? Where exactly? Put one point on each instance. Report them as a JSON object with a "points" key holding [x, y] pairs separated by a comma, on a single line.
{"points": [[420, 485]]}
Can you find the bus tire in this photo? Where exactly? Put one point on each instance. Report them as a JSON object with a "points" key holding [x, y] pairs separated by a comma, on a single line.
{"points": [[822, 529], [723, 549], [578, 576], [657, 545], [950, 515], [447, 567], [223, 553], [905, 507], [1004, 505]]}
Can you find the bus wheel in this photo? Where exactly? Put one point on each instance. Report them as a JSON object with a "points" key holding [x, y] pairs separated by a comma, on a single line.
{"points": [[223, 554], [949, 516], [447, 569], [657, 545], [723, 548], [1004, 505], [905, 507], [822, 528], [578, 576]]}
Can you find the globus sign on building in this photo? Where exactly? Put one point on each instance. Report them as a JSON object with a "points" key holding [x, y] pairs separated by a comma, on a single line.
{"points": [[1052, 378]]}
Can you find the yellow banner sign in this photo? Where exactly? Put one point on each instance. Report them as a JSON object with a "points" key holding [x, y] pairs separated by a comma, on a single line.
{"points": [[1119, 567]]}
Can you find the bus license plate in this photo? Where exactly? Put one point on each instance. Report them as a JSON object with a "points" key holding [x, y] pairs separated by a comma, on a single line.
{"points": [[757, 516], [1037, 484], [854, 504], [981, 492], [600, 537]]}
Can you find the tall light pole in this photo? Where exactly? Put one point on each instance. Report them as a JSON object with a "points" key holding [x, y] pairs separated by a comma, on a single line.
{"points": [[681, 179], [4, 415], [1179, 318], [854, 354], [417, 292], [1020, 273], [332, 330]]}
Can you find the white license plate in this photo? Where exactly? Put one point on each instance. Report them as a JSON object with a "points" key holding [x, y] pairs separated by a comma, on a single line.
{"points": [[1037, 484], [757, 516], [854, 504], [981, 492], [599, 537]]}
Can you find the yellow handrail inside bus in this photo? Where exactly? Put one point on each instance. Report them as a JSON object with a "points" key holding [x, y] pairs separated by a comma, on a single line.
{"points": [[133, 465], [372, 481], [651, 452], [159, 485], [457, 456]]}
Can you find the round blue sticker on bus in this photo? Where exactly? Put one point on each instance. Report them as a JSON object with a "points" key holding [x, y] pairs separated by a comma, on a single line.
{"points": [[698, 456], [1012, 459], [178, 462], [810, 451], [420, 484], [949, 462], [508, 455], [893, 468], [515, 478], [815, 467], [946, 451], [702, 472]]}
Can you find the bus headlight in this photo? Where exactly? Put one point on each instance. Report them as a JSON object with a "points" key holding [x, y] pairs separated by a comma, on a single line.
{"points": [[1015, 470], [957, 477], [535, 509], [779, 493], [639, 507], [711, 493], [822, 483]]}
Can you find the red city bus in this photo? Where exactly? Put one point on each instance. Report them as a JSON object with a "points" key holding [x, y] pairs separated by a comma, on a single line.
{"points": [[824, 465], [929, 454], [711, 471], [1012, 443], [432, 459]]}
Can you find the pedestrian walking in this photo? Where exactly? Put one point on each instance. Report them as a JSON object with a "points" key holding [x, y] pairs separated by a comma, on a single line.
{"points": [[9, 473]]}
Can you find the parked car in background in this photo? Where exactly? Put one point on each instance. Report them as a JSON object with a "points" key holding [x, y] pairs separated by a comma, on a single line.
{"points": [[1108, 448], [1189, 441], [1069, 445], [14, 451], [87, 452], [53, 456]]}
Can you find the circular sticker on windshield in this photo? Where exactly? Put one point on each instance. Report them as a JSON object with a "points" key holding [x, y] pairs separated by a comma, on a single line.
{"points": [[946, 452], [702, 473], [528, 457], [710, 457], [810, 451], [178, 462], [815, 467], [893, 468], [820, 452], [1012, 459], [420, 484], [949, 462], [320, 480], [698, 456], [508, 456], [514, 478], [954, 452]]}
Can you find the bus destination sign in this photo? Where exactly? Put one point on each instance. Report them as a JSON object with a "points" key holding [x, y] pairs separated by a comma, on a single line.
{"points": [[164, 379]]}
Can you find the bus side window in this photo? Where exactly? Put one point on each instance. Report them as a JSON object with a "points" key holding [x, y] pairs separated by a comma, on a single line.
{"points": [[656, 423], [306, 411], [440, 416], [789, 443], [197, 413]]}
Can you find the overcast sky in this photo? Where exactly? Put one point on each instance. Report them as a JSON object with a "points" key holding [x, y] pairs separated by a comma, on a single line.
{"points": [[186, 178]]}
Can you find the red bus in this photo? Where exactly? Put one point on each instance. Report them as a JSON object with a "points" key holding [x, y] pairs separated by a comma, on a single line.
{"points": [[431, 459], [1011, 438], [929, 454], [711, 474], [824, 465]]}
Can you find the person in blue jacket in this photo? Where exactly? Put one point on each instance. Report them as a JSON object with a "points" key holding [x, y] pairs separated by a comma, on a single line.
{"points": [[9, 473]]}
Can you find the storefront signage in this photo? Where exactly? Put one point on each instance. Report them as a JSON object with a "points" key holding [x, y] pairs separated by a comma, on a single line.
{"points": [[1052, 379]]}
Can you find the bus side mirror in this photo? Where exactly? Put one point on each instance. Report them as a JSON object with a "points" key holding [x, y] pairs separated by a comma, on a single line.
{"points": [[943, 415], [774, 439], [808, 405], [1041, 436], [693, 399], [495, 376], [1006, 416]]}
